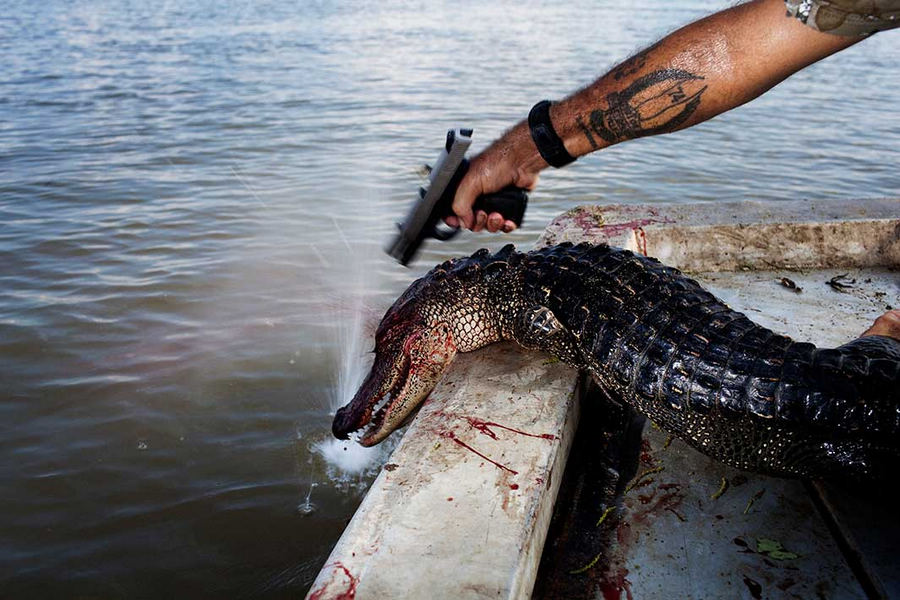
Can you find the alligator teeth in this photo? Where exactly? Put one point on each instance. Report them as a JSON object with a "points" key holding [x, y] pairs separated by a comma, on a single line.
{"points": [[382, 404], [379, 409]]}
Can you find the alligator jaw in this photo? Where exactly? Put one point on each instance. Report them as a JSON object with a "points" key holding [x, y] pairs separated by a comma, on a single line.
{"points": [[397, 384], [368, 405]]}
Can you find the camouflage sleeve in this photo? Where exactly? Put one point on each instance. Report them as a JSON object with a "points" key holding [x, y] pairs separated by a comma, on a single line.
{"points": [[846, 17]]}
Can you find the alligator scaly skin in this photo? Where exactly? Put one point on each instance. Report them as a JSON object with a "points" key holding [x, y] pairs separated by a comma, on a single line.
{"points": [[656, 340]]}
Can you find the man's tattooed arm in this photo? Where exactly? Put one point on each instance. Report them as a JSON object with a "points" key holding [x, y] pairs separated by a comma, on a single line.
{"points": [[654, 103], [693, 74]]}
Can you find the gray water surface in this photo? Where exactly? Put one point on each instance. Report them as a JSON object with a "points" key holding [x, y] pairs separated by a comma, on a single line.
{"points": [[193, 198]]}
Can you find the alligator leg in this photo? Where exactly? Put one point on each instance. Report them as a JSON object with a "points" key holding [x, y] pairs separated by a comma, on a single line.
{"points": [[605, 456]]}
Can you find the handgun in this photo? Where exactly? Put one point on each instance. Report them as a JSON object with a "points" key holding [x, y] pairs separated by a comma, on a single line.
{"points": [[436, 199]]}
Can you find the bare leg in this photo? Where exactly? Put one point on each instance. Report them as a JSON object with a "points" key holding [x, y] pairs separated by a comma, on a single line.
{"points": [[887, 324]]}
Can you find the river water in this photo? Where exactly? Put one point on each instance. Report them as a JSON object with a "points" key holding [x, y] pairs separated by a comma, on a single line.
{"points": [[193, 197]]}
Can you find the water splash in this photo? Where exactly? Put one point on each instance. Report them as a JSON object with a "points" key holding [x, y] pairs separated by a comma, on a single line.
{"points": [[354, 315], [351, 321], [306, 507], [347, 457], [359, 279]]}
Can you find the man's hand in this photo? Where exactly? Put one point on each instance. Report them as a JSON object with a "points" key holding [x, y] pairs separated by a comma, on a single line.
{"points": [[887, 324], [511, 160]]}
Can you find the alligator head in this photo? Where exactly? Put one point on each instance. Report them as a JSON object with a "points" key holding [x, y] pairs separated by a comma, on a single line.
{"points": [[411, 353], [449, 310]]}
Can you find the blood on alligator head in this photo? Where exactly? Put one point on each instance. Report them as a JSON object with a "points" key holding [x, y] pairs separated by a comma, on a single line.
{"points": [[445, 312], [410, 358]]}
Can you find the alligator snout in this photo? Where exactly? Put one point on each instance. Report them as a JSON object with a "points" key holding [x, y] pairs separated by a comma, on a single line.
{"points": [[343, 423]]}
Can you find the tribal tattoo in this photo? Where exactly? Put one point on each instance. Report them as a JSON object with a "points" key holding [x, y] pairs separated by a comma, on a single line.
{"points": [[586, 131], [654, 103]]}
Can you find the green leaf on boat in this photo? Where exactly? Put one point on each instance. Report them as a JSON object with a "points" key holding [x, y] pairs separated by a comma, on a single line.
{"points": [[774, 549]]}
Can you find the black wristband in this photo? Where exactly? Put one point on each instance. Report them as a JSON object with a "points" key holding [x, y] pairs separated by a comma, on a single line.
{"points": [[545, 138]]}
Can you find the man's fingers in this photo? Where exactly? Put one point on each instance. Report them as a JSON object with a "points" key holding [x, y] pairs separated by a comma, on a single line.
{"points": [[463, 212], [465, 219], [495, 222], [462, 205], [480, 220]]}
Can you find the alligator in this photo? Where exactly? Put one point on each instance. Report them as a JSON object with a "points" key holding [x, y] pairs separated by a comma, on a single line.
{"points": [[654, 339]]}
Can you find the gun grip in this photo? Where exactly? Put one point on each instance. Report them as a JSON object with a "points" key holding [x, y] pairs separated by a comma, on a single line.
{"points": [[510, 202]]}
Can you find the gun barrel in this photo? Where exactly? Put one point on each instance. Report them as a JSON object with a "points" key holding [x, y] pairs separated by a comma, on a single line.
{"points": [[423, 214], [402, 248]]}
